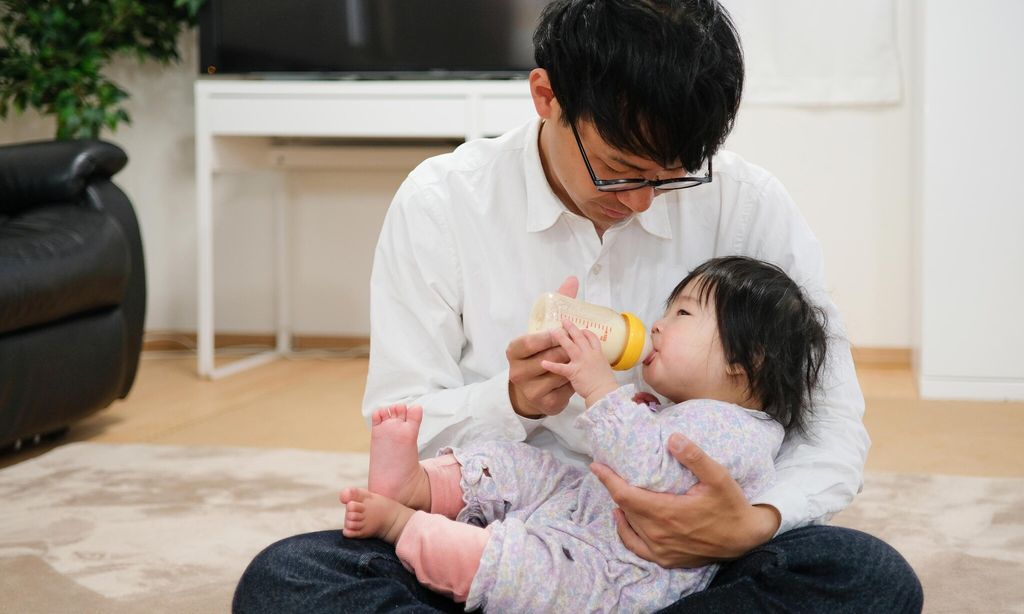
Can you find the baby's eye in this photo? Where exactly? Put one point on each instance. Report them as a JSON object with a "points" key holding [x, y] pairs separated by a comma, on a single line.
{"points": [[682, 312]]}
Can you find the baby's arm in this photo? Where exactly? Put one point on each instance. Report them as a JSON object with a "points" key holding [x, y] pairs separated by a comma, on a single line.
{"points": [[623, 434], [587, 370], [630, 438]]}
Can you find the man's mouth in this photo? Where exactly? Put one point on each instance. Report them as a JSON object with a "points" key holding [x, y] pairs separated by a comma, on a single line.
{"points": [[615, 215]]}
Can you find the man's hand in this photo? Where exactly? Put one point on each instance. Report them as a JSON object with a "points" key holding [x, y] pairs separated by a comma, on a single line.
{"points": [[711, 522], [533, 390]]}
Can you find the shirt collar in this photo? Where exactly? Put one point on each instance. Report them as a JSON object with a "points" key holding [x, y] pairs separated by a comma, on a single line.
{"points": [[544, 207], [655, 220]]}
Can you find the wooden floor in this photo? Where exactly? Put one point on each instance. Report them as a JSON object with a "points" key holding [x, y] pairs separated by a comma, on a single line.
{"points": [[313, 403]]}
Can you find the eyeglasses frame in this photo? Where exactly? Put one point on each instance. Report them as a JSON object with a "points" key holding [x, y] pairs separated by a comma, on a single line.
{"points": [[608, 185]]}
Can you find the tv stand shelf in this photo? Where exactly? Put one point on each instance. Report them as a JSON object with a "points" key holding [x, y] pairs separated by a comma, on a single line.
{"points": [[392, 109]]}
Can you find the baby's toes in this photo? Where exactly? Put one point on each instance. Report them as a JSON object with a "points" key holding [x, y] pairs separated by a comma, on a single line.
{"points": [[391, 412], [352, 497], [398, 411]]}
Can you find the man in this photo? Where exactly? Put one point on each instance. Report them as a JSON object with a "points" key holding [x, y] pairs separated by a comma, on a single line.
{"points": [[614, 194]]}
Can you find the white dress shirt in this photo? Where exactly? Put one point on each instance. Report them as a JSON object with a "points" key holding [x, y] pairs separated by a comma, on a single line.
{"points": [[472, 238]]}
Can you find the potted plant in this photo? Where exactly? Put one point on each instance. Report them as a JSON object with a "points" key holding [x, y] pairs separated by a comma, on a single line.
{"points": [[53, 54]]}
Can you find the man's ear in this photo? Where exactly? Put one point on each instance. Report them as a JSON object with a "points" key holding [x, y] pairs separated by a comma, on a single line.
{"points": [[543, 96]]}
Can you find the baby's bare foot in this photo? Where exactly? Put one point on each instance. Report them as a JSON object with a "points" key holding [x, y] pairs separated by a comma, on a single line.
{"points": [[395, 470], [371, 515]]}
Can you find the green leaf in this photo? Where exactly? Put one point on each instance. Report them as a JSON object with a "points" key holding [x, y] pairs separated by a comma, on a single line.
{"points": [[53, 54], [91, 39]]}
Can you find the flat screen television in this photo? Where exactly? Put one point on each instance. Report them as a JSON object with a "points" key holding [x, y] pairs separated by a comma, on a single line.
{"points": [[369, 38]]}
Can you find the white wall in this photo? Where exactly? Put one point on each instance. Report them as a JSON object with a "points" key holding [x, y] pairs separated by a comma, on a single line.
{"points": [[969, 202], [847, 168]]}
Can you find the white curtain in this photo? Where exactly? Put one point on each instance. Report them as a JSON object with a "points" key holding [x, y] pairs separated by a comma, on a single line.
{"points": [[819, 52]]}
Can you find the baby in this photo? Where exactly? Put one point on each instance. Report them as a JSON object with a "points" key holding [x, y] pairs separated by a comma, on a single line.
{"points": [[506, 527]]}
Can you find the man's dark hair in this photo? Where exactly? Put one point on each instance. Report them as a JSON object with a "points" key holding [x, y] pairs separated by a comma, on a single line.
{"points": [[769, 329], [660, 79]]}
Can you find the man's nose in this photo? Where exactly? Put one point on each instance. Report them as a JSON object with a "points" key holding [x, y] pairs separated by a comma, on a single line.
{"points": [[638, 200]]}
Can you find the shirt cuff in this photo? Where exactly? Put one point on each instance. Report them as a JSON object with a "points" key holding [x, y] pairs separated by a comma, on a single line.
{"points": [[791, 504], [496, 400], [503, 403]]}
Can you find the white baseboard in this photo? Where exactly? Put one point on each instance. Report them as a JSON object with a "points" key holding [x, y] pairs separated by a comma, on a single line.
{"points": [[974, 389]]}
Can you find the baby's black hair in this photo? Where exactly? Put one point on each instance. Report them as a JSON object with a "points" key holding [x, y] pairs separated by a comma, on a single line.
{"points": [[769, 329]]}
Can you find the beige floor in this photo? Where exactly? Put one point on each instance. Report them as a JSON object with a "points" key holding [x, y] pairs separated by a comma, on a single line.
{"points": [[313, 403]]}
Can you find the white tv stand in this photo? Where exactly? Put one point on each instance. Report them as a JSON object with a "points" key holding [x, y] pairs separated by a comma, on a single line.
{"points": [[321, 109]]}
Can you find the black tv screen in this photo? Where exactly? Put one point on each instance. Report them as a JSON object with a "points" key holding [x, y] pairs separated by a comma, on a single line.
{"points": [[371, 38]]}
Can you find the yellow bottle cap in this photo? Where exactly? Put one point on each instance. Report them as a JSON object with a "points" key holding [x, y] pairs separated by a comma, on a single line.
{"points": [[636, 335]]}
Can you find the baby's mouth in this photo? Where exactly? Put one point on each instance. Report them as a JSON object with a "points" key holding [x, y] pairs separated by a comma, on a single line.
{"points": [[650, 357]]}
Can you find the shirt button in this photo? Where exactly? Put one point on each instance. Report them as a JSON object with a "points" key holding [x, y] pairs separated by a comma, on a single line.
{"points": [[595, 269]]}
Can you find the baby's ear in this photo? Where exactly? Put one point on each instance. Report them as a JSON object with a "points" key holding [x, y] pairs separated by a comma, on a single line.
{"points": [[734, 369]]}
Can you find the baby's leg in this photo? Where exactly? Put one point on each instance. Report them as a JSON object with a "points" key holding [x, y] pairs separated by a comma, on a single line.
{"points": [[395, 470], [515, 475], [443, 554], [445, 476], [565, 567], [372, 515], [503, 477]]}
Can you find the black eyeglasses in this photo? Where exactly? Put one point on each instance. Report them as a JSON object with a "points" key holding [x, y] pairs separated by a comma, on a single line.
{"points": [[624, 185]]}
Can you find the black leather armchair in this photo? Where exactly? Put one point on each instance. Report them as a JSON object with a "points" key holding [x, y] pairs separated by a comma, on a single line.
{"points": [[72, 286]]}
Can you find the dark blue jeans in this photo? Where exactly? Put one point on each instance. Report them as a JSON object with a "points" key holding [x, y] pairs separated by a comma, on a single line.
{"points": [[814, 569]]}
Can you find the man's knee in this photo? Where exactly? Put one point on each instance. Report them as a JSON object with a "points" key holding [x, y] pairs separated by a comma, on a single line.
{"points": [[882, 572], [818, 568], [271, 572], [851, 567]]}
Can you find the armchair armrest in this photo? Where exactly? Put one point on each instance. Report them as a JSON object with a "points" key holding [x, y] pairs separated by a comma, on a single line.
{"points": [[42, 172]]}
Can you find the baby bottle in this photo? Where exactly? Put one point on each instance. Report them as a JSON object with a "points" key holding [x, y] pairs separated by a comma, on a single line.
{"points": [[622, 335]]}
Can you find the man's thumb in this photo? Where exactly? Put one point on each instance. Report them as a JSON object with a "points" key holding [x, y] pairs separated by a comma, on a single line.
{"points": [[692, 457], [569, 287]]}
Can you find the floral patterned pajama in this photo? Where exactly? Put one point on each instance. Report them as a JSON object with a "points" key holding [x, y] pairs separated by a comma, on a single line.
{"points": [[553, 545]]}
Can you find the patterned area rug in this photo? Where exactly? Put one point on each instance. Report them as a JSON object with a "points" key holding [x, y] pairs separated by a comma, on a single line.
{"points": [[146, 528]]}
